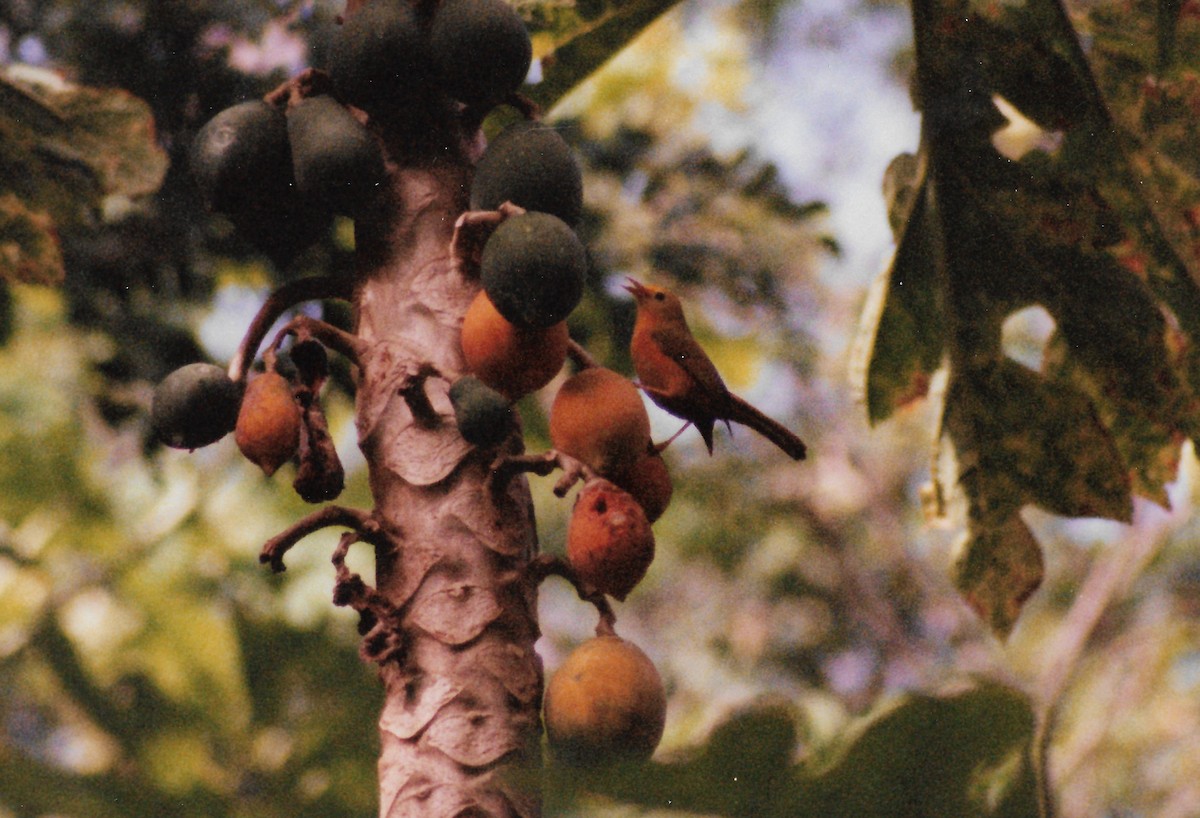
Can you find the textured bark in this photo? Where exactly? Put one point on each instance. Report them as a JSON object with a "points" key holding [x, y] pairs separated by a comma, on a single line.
{"points": [[460, 728]]}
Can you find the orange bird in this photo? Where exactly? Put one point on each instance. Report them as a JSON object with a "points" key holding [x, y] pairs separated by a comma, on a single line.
{"points": [[678, 376]]}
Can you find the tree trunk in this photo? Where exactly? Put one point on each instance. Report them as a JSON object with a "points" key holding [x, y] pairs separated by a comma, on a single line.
{"points": [[460, 728]]}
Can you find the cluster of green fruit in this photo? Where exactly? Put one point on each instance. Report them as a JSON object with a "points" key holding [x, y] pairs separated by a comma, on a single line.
{"points": [[281, 177], [281, 171]]}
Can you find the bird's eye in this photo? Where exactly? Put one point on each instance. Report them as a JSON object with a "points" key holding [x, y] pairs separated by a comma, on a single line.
{"points": [[660, 296]]}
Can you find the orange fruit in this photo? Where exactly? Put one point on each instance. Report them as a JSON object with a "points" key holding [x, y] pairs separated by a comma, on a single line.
{"points": [[598, 417], [609, 541], [512, 360], [268, 424], [649, 481], [605, 703]]}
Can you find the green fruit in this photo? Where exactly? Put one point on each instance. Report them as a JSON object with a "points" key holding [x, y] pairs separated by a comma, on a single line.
{"points": [[284, 228], [379, 59], [529, 165], [336, 160], [481, 49], [194, 406], [483, 415], [533, 269], [241, 159]]}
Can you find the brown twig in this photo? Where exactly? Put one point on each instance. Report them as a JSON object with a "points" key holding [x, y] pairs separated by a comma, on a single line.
{"points": [[412, 389], [379, 619], [1107, 580], [580, 356], [280, 301], [547, 565], [310, 82], [362, 523], [526, 106], [471, 232], [303, 327], [506, 467]]}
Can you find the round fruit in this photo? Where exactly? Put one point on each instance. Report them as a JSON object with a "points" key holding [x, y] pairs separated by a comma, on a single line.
{"points": [[598, 417], [529, 165], [649, 481], [379, 58], [609, 541], [483, 415], [482, 50], [268, 425], [533, 269], [338, 164], [510, 359], [241, 159], [194, 406], [605, 703]]}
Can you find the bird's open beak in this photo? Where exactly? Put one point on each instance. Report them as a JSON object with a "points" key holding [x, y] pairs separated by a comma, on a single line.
{"points": [[636, 288]]}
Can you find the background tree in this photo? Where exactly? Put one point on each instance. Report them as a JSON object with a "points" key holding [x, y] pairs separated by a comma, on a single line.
{"points": [[155, 667]]}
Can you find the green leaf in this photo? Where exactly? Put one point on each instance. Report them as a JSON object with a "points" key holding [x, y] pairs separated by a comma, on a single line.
{"points": [[901, 340], [998, 568], [582, 48], [1021, 438], [112, 132], [965, 754], [1099, 223]]}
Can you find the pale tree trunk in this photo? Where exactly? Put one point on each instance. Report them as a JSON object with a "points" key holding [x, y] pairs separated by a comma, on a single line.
{"points": [[464, 683], [452, 620]]}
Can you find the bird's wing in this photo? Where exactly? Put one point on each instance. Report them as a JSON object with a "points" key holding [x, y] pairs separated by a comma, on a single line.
{"points": [[681, 347]]}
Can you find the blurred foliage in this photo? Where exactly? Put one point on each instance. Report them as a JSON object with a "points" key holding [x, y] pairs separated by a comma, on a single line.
{"points": [[952, 767], [66, 148], [816, 663]]}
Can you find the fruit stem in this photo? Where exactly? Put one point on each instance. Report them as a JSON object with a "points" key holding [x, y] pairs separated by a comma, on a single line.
{"points": [[303, 327], [506, 467], [548, 565], [310, 82], [582, 358], [311, 288]]}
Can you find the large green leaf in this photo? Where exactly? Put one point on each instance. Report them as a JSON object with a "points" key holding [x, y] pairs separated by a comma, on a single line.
{"points": [[582, 42], [966, 754], [1097, 224]]}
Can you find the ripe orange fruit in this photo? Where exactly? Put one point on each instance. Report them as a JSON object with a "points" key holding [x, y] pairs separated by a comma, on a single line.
{"points": [[649, 481], [268, 425], [606, 702], [609, 541], [512, 360], [598, 417]]}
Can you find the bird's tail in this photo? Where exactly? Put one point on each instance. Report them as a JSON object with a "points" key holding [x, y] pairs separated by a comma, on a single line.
{"points": [[774, 431]]}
